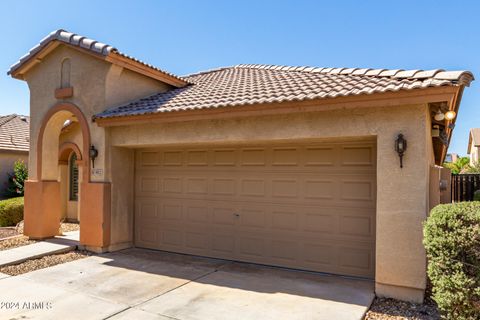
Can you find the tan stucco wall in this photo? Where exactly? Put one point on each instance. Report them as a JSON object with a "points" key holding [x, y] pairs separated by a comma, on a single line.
{"points": [[122, 174], [97, 85], [402, 200], [71, 134], [7, 160], [474, 154]]}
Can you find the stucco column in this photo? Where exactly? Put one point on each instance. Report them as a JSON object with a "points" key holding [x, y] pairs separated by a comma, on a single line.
{"points": [[402, 206], [94, 209], [42, 210]]}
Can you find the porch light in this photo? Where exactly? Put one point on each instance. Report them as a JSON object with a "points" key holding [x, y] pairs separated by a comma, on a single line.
{"points": [[439, 116], [400, 147], [93, 154], [450, 115]]}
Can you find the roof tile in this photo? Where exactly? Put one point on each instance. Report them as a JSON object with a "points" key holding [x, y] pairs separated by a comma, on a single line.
{"points": [[14, 133], [254, 84], [406, 74], [83, 42]]}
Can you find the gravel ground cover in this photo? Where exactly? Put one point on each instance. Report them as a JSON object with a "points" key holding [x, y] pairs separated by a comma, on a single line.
{"points": [[391, 309], [44, 262], [23, 240], [6, 232], [69, 226], [15, 242]]}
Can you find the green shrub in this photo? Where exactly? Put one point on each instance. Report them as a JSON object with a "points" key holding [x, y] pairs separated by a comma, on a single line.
{"points": [[476, 195], [11, 211], [16, 180], [452, 242]]}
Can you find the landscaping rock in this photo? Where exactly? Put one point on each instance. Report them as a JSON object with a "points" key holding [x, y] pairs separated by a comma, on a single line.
{"points": [[7, 232], [44, 262], [15, 242], [69, 226], [391, 309]]}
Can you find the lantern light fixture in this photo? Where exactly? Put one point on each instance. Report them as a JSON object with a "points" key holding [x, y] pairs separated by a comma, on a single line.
{"points": [[400, 147], [450, 115], [439, 116], [93, 154]]}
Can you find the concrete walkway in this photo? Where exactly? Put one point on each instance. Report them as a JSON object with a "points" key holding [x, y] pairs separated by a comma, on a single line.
{"points": [[60, 244], [145, 284]]}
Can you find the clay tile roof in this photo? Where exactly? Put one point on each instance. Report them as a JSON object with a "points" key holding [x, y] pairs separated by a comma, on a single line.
{"points": [[91, 45], [14, 132], [254, 84], [406, 74]]}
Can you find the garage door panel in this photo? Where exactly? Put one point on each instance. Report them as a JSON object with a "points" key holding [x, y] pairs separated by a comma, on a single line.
{"points": [[197, 213], [353, 225], [197, 240], [251, 246], [309, 206], [172, 237], [357, 189], [223, 215], [223, 245], [284, 250], [320, 156], [358, 155], [253, 217], [171, 158]]}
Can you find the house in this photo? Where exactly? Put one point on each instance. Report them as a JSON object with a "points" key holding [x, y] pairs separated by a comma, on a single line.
{"points": [[297, 167], [451, 157], [14, 144], [474, 145]]}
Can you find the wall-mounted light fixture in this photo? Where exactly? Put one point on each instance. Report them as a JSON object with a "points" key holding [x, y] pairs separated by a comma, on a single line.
{"points": [[449, 115], [93, 154], [439, 116], [400, 147]]}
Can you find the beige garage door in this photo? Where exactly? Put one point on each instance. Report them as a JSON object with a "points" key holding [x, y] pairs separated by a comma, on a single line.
{"points": [[301, 205]]}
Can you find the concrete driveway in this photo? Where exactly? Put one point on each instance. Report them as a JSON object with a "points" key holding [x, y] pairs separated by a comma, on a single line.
{"points": [[145, 284]]}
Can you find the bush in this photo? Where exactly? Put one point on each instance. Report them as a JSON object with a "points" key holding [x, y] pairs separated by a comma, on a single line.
{"points": [[452, 242], [16, 180], [476, 195], [11, 211]]}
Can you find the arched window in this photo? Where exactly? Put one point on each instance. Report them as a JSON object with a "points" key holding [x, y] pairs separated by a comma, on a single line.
{"points": [[65, 74], [73, 167]]}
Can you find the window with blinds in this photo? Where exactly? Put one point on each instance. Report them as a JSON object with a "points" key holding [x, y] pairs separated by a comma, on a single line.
{"points": [[73, 177]]}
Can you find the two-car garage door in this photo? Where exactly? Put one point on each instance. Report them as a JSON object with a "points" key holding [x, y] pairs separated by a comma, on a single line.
{"points": [[305, 205]]}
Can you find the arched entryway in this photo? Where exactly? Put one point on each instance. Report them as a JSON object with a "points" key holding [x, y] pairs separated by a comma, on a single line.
{"points": [[64, 136], [48, 142], [71, 164]]}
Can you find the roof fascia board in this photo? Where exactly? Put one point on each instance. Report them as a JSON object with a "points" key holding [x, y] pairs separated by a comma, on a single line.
{"points": [[34, 60], [112, 57], [14, 150], [415, 96], [454, 104], [132, 65]]}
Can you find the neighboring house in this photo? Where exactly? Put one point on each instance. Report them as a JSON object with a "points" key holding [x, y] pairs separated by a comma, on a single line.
{"points": [[451, 157], [14, 145], [474, 145], [288, 166]]}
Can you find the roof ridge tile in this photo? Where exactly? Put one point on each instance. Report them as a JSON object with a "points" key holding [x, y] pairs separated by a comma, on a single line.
{"points": [[77, 40]]}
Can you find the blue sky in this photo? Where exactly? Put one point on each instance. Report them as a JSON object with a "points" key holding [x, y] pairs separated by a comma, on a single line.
{"points": [[188, 36]]}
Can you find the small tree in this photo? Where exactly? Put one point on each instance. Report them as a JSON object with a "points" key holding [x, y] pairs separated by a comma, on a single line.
{"points": [[474, 168], [457, 166], [16, 180]]}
